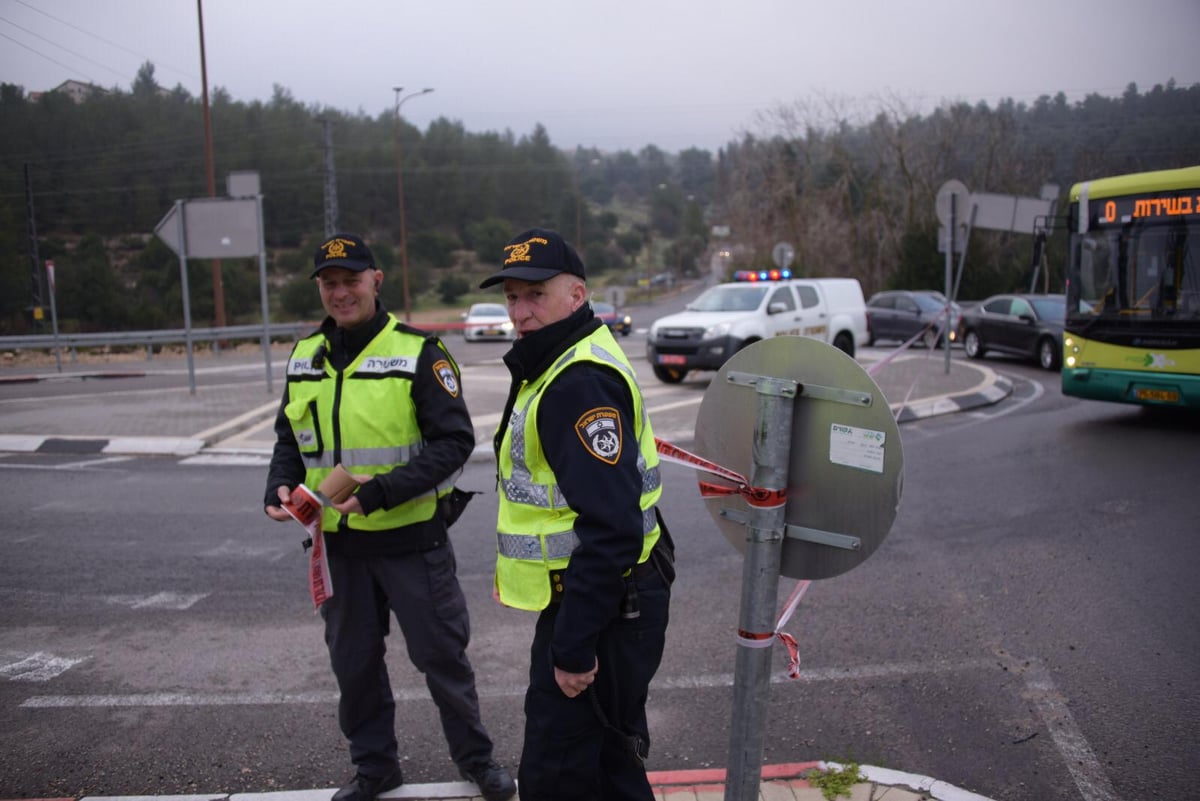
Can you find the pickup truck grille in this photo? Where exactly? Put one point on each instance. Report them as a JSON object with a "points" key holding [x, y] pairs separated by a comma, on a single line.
{"points": [[679, 335]]}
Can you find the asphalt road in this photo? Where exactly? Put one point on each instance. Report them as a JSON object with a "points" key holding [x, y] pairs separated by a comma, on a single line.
{"points": [[1028, 629]]}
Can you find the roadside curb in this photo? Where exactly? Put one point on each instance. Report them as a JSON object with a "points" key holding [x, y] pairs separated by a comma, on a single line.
{"points": [[107, 446], [788, 777], [29, 378], [997, 390]]}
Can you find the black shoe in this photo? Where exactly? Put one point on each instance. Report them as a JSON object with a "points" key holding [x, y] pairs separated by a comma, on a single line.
{"points": [[494, 782], [365, 788]]}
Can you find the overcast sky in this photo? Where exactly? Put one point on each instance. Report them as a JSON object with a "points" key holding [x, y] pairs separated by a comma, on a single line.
{"points": [[613, 75]]}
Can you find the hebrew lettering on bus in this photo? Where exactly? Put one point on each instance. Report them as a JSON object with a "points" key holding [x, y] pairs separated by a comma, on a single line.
{"points": [[1147, 208], [1163, 206]]}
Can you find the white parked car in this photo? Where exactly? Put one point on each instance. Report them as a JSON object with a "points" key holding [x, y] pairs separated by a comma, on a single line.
{"points": [[488, 321]]}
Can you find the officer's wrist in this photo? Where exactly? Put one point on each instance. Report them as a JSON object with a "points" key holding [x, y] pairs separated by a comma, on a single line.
{"points": [[370, 496]]}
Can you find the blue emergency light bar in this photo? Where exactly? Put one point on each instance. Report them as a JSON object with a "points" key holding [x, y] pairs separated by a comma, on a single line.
{"points": [[762, 275]]}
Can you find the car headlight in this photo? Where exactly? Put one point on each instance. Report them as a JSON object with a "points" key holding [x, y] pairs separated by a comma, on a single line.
{"points": [[718, 330]]}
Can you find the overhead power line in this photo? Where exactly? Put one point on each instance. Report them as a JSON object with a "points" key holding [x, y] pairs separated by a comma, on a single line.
{"points": [[40, 54], [108, 42]]}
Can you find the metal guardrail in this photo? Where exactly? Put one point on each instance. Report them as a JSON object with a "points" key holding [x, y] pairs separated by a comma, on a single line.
{"points": [[148, 339]]}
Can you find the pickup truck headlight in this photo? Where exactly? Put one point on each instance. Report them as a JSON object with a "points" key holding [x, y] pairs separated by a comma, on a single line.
{"points": [[718, 330]]}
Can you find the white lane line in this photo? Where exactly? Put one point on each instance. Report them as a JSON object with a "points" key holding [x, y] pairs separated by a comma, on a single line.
{"points": [[178, 699], [712, 680], [1090, 779]]}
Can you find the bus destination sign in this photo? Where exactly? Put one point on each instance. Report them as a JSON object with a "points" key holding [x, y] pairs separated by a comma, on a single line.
{"points": [[1150, 207]]}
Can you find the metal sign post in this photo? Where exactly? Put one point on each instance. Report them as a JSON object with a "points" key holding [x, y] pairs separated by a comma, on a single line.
{"points": [[53, 313], [950, 276], [180, 212], [262, 291], [760, 582]]}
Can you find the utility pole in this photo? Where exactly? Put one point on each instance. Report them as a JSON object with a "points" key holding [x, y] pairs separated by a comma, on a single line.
{"points": [[218, 286], [400, 194], [33, 248], [331, 201]]}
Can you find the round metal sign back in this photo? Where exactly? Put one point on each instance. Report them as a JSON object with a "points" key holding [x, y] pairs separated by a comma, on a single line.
{"points": [[845, 468], [782, 254]]}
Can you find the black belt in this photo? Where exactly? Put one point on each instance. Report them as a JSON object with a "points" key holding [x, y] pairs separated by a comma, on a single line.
{"points": [[557, 577], [643, 569]]}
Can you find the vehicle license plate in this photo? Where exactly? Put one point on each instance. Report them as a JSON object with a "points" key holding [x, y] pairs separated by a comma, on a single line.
{"points": [[1160, 395], [492, 332], [672, 358]]}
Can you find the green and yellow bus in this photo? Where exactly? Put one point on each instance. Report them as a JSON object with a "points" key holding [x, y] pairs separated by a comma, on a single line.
{"points": [[1132, 331]]}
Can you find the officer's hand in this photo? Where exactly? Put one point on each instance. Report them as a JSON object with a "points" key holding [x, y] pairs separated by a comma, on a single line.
{"points": [[350, 506], [572, 684], [277, 513]]}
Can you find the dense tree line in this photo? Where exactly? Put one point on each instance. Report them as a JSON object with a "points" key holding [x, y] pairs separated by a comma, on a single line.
{"points": [[854, 196], [857, 198]]}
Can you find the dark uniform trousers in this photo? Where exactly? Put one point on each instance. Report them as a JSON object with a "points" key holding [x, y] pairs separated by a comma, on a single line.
{"points": [[569, 755], [423, 593]]}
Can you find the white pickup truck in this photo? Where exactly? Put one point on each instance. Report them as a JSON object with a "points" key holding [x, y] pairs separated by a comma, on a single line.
{"points": [[727, 317]]}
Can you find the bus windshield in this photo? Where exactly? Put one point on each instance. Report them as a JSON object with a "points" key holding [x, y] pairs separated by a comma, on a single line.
{"points": [[1150, 271]]}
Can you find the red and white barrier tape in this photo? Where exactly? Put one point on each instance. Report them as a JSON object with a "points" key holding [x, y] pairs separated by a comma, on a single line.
{"points": [[750, 639], [759, 497]]}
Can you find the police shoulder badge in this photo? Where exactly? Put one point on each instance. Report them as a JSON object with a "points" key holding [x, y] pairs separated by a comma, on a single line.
{"points": [[600, 431], [446, 377]]}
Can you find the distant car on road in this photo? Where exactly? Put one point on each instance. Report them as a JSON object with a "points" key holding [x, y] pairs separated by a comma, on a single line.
{"points": [[615, 320], [488, 321], [899, 314], [1017, 324]]}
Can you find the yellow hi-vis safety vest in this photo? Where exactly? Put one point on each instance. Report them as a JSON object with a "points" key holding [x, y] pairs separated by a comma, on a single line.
{"points": [[362, 417], [536, 528]]}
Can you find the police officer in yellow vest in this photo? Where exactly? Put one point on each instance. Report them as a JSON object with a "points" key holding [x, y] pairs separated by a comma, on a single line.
{"points": [[384, 401], [579, 539]]}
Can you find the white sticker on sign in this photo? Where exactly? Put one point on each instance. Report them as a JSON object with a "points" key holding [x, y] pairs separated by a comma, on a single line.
{"points": [[856, 447]]}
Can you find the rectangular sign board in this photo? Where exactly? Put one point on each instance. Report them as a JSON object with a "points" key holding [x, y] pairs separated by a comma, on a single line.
{"points": [[1008, 212], [214, 228]]}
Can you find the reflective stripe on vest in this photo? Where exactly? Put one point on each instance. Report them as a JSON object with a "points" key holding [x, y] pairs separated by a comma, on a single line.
{"points": [[535, 532]]}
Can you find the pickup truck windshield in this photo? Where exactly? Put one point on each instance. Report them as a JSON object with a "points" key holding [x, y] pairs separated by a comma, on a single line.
{"points": [[729, 298]]}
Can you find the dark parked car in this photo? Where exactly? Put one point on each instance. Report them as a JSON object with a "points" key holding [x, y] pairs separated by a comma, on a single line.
{"points": [[1021, 325], [615, 320], [900, 314]]}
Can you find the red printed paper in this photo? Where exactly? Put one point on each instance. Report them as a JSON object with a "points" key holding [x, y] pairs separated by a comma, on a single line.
{"points": [[305, 507]]}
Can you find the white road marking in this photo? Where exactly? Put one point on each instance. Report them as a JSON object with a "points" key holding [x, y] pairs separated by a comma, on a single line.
{"points": [[161, 600], [209, 459], [240, 548], [68, 466], [711, 680], [93, 462], [39, 666], [1086, 770]]}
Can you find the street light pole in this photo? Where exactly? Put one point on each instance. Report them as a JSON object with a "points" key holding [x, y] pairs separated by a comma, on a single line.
{"points": [[400, 194]]}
